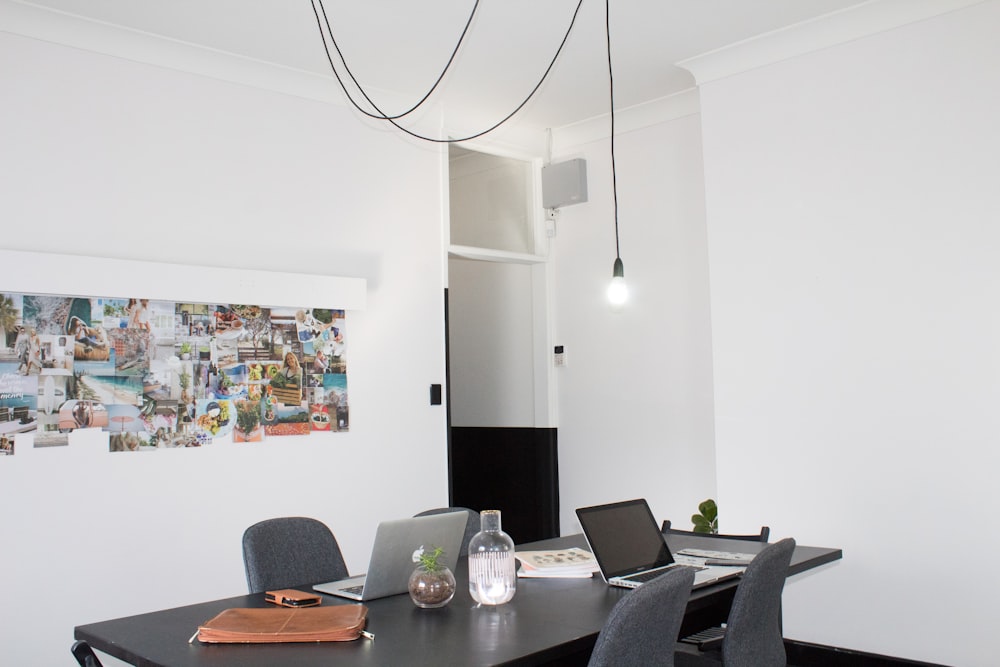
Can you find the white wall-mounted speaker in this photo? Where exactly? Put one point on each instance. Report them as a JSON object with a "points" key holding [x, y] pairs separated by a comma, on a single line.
{"points": [[564, 183]]}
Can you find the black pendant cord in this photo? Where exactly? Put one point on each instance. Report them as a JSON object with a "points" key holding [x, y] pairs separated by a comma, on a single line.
{"points": [[611, 89], [381, 115]]}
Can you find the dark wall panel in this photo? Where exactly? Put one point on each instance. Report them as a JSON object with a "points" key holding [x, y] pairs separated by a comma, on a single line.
{"points": [[514, 470]]}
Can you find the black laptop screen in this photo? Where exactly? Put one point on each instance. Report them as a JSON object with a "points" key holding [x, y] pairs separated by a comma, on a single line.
{"points": [[624, 537]]}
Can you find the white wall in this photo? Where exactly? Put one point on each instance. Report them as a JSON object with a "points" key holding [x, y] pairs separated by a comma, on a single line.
{"points": [[106, 157], [853, 242], [638, 383]]}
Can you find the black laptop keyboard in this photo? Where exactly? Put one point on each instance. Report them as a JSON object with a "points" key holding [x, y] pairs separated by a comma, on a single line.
{"points": [[354, 589]]}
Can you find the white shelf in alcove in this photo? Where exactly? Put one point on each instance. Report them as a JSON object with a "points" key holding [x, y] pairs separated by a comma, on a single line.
{"points": [[489, 255]]}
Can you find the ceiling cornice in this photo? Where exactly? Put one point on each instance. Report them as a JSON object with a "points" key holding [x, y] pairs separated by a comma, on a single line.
{"points": [[836, 28], [825, 31], [20, 17], [49, 25], [671, 107]]}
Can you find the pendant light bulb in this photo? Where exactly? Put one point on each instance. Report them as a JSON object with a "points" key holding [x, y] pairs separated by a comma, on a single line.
{"points": [[617, 289]]}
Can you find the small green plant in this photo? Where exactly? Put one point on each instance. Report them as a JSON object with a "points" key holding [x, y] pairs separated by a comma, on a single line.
{"points": [[185, 379], [185, 348], [429, 559], [707, 519]]}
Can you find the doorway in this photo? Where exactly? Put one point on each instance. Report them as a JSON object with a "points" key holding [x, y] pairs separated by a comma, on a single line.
{"points": [[502, 436]]}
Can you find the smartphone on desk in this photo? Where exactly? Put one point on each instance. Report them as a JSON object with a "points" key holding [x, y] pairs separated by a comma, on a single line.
{"points": [[289, 597]]}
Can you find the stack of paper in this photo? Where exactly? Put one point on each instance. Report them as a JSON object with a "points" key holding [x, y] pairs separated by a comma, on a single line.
{"points": [[561, 563]]}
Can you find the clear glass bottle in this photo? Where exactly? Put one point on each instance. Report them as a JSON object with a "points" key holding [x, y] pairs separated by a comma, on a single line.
{"points": [[492, 567]]}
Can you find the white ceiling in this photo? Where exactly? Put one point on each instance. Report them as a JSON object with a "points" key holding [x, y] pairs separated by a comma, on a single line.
{"points": [[400, 46]]}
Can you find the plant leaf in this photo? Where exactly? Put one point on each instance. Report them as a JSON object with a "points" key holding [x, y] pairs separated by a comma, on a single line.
{"points": [[709, 509]]}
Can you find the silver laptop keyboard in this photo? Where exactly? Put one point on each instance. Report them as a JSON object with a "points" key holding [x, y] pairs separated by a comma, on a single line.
{"points": [[648, 575], [356, 590]]}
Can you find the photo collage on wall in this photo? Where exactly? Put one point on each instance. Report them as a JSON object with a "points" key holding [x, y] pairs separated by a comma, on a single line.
{"points": [[159, 374]]}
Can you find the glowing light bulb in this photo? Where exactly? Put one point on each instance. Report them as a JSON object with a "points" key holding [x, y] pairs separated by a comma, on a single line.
{"points": [[617, 289]]}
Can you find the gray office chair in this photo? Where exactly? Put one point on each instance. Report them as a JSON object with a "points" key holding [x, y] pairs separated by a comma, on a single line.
{"points": [[290, 551], [84, 654], [752, 637], [642, 628], [765, 532], [472, 525]]}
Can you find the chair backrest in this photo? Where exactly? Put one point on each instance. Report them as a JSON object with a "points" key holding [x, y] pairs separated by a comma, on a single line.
{"points": [[290, 551], [753, 631], [642, 628], [84, 654], [472, 524], [765, 532]]}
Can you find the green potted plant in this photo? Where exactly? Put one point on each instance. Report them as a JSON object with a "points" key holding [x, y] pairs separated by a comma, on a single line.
{"points": [[185, 350], [707, 518], [432, 583]]}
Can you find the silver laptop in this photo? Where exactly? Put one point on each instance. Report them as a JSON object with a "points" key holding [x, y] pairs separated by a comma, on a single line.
{"points": [[631, 550], [391, 561]]}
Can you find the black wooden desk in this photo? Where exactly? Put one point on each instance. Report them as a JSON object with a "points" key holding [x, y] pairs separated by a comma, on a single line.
{"points": [[548, 621]]}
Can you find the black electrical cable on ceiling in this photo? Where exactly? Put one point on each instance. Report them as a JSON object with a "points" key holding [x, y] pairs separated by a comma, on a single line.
{"points": [[392, 119], [381, 115]]}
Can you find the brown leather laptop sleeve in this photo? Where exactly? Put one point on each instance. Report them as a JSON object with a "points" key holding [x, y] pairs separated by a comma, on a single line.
{"points": [[334, 623]]}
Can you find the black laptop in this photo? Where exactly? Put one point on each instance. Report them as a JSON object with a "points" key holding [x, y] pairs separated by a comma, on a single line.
{"points": [[631, 550]]}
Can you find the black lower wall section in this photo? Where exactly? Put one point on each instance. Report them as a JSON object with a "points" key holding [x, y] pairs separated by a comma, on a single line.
{"points": [[514, 470]]}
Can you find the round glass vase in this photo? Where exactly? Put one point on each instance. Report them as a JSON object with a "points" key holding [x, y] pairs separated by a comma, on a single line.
{"points": [[492, 566], [430, 590]]}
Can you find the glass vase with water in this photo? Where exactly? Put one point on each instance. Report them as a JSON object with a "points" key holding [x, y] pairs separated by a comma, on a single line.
{"points": [[492, 566]]}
